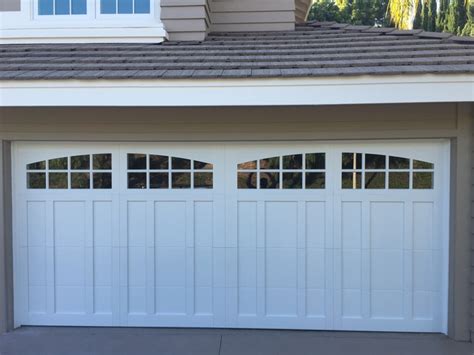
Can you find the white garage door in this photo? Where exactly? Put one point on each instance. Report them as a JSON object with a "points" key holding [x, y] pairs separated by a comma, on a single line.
{"points": [[304, 235]]}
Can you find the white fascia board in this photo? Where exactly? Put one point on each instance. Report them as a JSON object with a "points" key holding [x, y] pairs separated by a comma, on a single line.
{"points": [[239, 92]]}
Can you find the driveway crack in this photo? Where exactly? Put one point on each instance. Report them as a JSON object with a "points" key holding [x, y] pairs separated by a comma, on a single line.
{"points": [[220, 345]]}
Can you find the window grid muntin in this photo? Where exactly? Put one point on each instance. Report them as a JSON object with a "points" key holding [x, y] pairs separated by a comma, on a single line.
{"points": [[170, 172], [54, 9], [69, 171], [116, 8], [387, 170], [303, 171]]}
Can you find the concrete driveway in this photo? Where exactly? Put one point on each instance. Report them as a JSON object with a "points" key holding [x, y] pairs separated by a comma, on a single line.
{"points": [[145, 341]]}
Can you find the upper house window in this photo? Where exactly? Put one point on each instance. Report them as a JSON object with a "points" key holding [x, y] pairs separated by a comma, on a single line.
{"points": [[107, 7], [124, 6], [62, 7]]}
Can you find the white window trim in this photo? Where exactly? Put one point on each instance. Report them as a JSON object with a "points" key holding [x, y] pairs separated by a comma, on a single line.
{"points": [[27, 26]]}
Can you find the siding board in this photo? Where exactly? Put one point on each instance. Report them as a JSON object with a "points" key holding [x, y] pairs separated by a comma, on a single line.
{"points": [[245, 15], [180, 16], [185, 20]]}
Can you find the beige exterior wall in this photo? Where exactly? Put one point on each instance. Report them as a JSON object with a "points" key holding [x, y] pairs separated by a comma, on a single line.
{"points": [[185, 20], [252, 15], [6, 256], [415, 121], [188, 20], [10, 5], [215, 124]]}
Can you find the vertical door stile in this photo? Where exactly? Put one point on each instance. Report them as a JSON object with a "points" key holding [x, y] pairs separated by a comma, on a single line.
{"points": [[123, 239], [301, 261], [261, 261], [116, 267], [366, 255], [231, 238], [333, 240], [442, 214], [150, 258], [89, 257], [219, 242], [190, 260], [408, 257], [20, 248], [116, 237], [50, 259]]}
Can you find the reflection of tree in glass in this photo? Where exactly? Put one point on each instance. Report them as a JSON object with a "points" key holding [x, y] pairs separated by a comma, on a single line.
{"points": [[269, 180], [102, 161], [316, 161], [200, 165], [40, 165], [270, 163], [249, 165], [181, 180], [293, 161], [102, 180], [399, 180], [58, 164], [351, 161], [247, 180], [58, 181], [203, 180], [79, 162], [36, 180], [292, 180], [374, 180], [422, 180], [136, 161]]}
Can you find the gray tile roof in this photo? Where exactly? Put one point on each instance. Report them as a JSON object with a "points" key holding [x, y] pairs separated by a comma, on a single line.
{"points": [[313, 50]]}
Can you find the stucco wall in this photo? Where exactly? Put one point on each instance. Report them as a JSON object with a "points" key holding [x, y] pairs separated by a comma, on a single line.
{"points": [[416, 121]]}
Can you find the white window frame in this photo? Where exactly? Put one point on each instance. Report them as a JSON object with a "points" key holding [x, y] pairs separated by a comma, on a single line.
{"points": [[61, 18], [27, 26], [126, 17]]}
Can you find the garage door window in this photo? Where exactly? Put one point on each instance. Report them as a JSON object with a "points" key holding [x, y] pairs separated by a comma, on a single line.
{"points": [[150, 171], [376, 171], [296, 171], [76, 172]]}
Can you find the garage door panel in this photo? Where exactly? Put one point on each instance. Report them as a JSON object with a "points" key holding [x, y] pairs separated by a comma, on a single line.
{"points": [[387, 225], [36, 224], [281, 224], [316, 224], [170, 223], [423, 221]]}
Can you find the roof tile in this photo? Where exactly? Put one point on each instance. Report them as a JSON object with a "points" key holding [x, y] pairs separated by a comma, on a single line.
{"points": [[316, 49]]}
